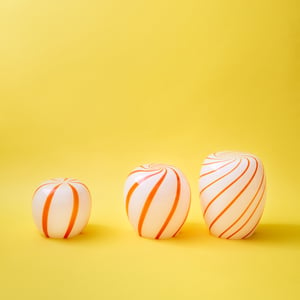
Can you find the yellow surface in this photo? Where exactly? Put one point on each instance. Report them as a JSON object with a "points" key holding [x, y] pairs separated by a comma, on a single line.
{"points": [[91, 89]]}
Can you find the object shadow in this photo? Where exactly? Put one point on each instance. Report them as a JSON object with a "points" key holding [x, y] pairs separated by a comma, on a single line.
{"points": [[277, 233], [193, 233], [93, 233], [268, 234]]}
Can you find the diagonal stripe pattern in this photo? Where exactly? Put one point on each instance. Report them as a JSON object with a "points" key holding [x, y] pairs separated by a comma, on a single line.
{"points": [[157, 200], [232, 194]]}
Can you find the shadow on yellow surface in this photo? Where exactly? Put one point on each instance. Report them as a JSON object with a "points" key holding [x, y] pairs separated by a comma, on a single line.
{"points": [[92, 234], [270, 234], [99, 233], [277, 233], [192, 235]]}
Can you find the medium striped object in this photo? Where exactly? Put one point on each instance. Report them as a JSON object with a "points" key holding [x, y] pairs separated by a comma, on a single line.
{"points": [[61, 207], [232, 191], [157, 200]]}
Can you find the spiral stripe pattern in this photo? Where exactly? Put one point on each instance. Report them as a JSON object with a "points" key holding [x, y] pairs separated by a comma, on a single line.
{"points": [[157, 200], [232, 193], [61, 207]]}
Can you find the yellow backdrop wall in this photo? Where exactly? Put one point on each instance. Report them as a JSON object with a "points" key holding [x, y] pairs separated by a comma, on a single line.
{"points": [[91, 89]]}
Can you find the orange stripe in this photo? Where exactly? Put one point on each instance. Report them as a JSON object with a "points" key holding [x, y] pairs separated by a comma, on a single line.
{"points": [[212, 158], [247, 221], [172, 211], [46, 209], [74, 211], [253, 228], [226, 188], [236, 197], [143, 171], [81, 184], [250, 155], [207, 173], [186, 215], [42, 186], [129, 194], [214, 162], [247, 208], [216, 180], [134, 186], [148, 202]]}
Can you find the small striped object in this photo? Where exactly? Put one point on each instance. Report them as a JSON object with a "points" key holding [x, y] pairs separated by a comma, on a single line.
{"points": [[61, 207], [157, 200], [232, 191]]}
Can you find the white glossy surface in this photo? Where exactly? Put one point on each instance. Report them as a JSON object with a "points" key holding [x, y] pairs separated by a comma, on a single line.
{"points": [[232, 193], [157, 200], [61, 207]]}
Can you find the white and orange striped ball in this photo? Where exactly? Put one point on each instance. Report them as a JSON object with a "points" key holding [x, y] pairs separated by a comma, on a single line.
{"points": [[157, 200], [232, 192], [61, 207]]}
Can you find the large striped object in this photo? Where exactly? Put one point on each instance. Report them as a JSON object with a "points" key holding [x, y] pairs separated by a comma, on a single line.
{"points": [[232, 191], [157, 200], [61, 207]]}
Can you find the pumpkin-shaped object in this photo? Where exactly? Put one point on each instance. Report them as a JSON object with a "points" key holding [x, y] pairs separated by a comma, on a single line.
{"points": [[61, 207]]}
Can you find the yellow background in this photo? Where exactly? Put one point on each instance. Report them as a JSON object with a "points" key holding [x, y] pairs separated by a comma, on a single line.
{"points": [[92, 89]]}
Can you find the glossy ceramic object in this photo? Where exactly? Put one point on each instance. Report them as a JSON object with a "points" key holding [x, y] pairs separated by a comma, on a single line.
{"points": [[232, 192], [157, 200], [61, 207]]}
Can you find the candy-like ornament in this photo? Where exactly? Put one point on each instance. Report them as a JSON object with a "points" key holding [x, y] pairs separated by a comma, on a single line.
{"points": [[61, 207], [232, 191], [157, 200]]}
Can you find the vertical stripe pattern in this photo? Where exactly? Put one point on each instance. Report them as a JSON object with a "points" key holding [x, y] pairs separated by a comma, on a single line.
{"points": [[232, 193], [74, 210], [157, 200], [46, 209], [61, 207]]}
